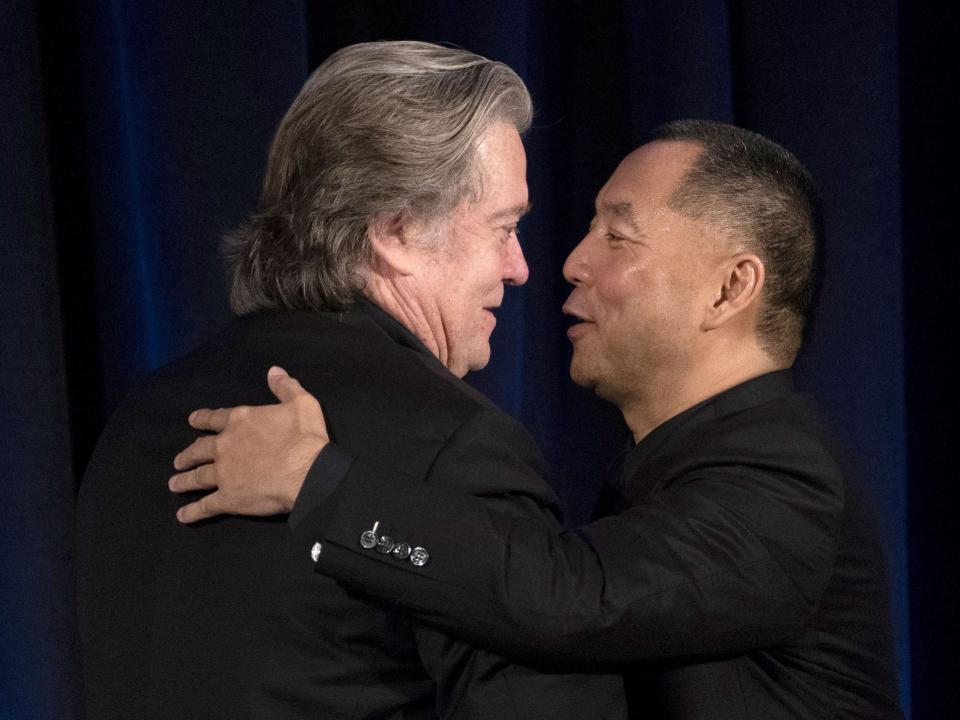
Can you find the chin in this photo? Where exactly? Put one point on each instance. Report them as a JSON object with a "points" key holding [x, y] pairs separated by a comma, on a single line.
{"points": [[580, 375], [481, 362], [478, 360], [592, 377]]}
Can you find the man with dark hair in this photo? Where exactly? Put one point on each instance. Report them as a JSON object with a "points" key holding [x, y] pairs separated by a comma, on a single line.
{"points": [[758, 191], [739, 574], [384, 238]]}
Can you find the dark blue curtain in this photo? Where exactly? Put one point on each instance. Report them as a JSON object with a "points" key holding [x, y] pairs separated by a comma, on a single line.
{"points": [[134, 134]]}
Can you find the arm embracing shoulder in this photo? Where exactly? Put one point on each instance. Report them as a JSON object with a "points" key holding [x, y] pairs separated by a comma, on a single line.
{"points": [[721, 560]]}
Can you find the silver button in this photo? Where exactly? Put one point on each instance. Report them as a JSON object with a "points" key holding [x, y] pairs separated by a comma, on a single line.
{"points": [[369, 538], [315, 551], [385, 545], [401, 551], [419, 556]]}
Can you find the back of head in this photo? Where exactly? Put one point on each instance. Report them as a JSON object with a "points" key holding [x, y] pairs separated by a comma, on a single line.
{"points": [[766, 201], [379, 130]]}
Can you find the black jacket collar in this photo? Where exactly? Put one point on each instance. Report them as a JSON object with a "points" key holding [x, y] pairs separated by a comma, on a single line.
{"points": [[740, 397], [365, 309]]}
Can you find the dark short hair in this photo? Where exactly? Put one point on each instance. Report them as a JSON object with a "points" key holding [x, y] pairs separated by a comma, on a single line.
{"points": [[379, 130], [763, 196]]}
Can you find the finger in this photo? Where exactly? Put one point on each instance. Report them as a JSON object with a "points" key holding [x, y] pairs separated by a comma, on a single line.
{"points": [[283, 386], [202, 509], [200, 478], [200, 451], [205, 419]]}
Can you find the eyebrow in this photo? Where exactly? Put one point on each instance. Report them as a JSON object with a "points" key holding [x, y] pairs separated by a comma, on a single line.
{"points": [[517, 211], [622, 211]]}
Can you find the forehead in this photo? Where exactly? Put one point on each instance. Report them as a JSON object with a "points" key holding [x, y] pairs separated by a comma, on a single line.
{"points": [[502, 166], [500, 154], [646, 178]]}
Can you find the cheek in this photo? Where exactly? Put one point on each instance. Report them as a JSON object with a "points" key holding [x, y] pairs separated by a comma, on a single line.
{"points": [[665, 292], [464, 303], [475, 273], [492, 265], [622, 293]]}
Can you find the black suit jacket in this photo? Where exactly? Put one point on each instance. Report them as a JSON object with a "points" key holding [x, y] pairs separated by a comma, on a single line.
{"points": [[225, 619], [742, 577]]}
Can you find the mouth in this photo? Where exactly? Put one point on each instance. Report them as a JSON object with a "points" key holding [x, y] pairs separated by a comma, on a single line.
{"points": [[491, 311], [581, 322]]}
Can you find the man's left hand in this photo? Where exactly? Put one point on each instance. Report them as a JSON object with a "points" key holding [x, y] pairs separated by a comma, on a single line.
{"points": [[257, 461]]}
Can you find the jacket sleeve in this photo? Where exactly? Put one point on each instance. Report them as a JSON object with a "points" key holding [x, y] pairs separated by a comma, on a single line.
{"points": [[721, 559], [475, 684], [472, 682]]}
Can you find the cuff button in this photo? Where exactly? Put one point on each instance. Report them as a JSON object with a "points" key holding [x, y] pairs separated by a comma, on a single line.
{"points": [[419, 556], [386, 545], [368, 540]]}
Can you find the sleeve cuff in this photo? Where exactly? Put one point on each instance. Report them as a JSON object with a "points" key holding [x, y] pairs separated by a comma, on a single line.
{"points": [[325, 475]]}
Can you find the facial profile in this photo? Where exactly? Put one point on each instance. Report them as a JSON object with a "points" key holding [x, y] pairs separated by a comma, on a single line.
{"points": [[641, 275], [460, 283]]}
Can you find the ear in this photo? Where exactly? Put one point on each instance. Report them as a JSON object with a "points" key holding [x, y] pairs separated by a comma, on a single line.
{"points": [[393, 250], [742, 281]]}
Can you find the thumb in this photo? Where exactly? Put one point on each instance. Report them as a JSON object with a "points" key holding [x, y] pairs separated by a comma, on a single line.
{"points": [[283, 386]]}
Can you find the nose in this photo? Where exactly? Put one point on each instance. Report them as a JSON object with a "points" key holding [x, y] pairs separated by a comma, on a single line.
{"points": [[576, 269], [515, 270]]}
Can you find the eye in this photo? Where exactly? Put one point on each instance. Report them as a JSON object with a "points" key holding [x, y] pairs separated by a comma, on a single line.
{"points": [[614, 239], [508, 231]]}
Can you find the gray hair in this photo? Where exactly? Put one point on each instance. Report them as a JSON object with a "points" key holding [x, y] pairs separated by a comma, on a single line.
{"points": [[378, 131], [761, 193]]}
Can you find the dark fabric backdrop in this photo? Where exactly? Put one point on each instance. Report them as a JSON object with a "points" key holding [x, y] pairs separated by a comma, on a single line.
{"points": [[134, 134]]}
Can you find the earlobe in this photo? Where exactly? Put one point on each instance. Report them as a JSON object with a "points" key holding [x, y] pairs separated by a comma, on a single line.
{"points": [[742, 283], [391, 248]]}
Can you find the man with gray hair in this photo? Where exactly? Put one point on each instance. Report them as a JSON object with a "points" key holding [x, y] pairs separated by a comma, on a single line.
{"points": [[385, 235]]}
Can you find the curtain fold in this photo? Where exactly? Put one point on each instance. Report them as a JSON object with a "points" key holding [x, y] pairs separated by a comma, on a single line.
{"points": [[37, 639]]}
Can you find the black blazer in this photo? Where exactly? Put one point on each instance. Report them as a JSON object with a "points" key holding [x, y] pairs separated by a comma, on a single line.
{"points": [[226, 619], [742, 577]]}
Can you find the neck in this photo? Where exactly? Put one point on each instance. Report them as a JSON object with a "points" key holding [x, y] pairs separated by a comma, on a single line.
{"points": [[670, 393], [398, 297]]}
